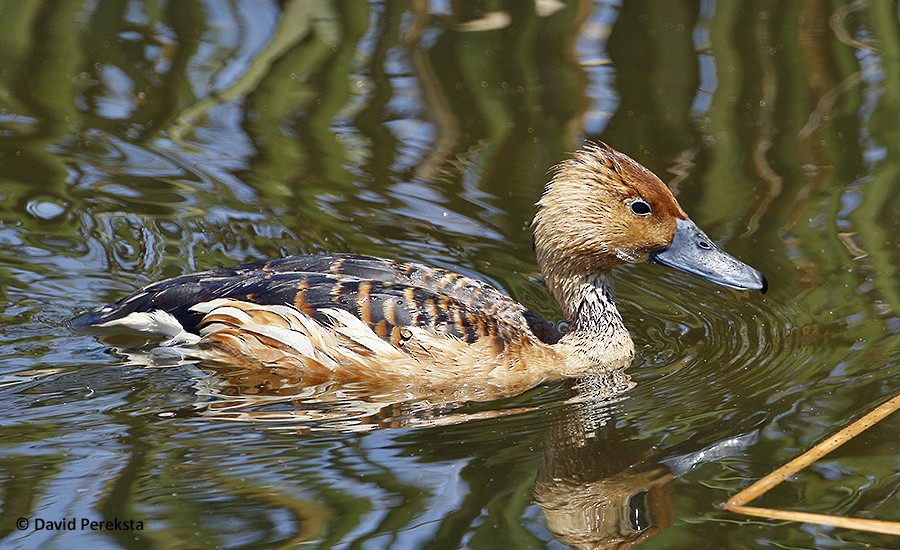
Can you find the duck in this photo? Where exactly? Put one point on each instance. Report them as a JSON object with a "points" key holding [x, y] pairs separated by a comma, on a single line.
{"points": [[342, 318]]}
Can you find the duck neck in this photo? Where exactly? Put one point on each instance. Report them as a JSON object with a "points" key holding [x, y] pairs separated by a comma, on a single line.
{"points": [[596, 336], [595, 311]]}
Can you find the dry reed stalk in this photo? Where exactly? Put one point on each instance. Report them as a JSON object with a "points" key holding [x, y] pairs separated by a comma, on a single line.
{"points": [[738, 502]]}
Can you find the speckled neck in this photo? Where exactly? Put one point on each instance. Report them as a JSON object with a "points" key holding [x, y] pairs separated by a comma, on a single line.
{"points": [[596, 312], [597, 337]]}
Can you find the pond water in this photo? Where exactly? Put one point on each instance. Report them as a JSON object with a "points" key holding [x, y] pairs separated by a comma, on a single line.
{"points": [[140, 141]]}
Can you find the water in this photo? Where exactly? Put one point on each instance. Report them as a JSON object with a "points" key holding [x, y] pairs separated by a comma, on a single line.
{"points": [[142, 141]]}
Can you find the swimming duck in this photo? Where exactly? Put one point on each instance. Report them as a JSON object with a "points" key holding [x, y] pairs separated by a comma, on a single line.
{"points": [[362, 319]]}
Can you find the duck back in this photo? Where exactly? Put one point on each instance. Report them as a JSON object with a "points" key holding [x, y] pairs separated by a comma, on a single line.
{"points": [[386, 295]]}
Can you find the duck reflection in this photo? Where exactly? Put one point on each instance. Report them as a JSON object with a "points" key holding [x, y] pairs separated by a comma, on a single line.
{"points": [[600, 487]]}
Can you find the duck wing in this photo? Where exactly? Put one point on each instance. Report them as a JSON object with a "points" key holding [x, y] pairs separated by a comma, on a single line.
{"points": [[385, 294]]}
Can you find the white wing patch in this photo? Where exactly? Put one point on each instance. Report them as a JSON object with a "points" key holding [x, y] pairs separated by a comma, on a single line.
{"points": [[157, 322]]}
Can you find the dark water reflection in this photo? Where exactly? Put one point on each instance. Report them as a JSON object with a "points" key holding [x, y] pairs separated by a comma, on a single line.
{"points": [[140, 141]]}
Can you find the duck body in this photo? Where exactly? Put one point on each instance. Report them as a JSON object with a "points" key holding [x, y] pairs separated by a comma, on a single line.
{"points": [[361, 319], [347, 318]]}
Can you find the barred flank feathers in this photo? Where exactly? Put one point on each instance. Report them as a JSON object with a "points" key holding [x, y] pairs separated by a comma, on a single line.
{"points": [[237, 332]]}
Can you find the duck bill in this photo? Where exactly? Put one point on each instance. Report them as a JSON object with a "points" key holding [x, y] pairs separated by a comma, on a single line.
{"points": [[693, 252]]}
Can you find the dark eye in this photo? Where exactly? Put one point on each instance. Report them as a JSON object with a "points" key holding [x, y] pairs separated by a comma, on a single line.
{"points": [[640, 207]]}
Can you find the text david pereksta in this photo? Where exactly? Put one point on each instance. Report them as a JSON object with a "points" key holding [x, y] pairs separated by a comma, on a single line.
{"points": [[79, 524]]}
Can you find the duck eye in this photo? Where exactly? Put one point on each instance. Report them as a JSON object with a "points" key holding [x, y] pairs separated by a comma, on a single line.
{"points": [[640, 207]]}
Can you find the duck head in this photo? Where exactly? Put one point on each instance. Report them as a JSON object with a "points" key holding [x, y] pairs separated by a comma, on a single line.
{"points": [[603, 209]]}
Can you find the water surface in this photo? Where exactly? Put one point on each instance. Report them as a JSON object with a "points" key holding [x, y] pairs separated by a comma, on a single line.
{"points": [[145, 140]]}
